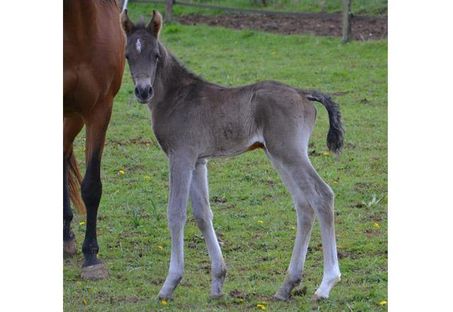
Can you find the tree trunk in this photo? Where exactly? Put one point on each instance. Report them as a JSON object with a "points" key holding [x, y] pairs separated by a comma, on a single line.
{"points": [[169, 10], [347, 17]]}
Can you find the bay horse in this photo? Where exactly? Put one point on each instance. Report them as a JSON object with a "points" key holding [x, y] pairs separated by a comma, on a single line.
{"points": [[93, 65], [194, 120]]}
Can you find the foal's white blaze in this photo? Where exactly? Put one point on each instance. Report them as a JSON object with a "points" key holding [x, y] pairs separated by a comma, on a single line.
{"points": [[138, 45]]}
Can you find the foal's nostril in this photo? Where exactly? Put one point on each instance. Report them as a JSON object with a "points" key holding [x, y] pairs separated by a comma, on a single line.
{"points": [[143, 92]]}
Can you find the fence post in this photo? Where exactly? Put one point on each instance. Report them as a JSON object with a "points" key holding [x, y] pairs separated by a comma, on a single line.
{"points": [[347, 16], [169, 10]]}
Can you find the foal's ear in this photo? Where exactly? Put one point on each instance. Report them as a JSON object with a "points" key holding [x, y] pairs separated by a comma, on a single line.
{"points": [[155, 25], [126, 23]]}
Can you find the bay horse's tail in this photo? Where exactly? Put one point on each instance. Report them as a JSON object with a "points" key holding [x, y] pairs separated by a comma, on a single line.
{"points": [[74, 182], [336, 131]]}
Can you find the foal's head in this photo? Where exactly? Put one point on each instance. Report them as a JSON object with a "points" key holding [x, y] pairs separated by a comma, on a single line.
{"points": [[142, 53]]}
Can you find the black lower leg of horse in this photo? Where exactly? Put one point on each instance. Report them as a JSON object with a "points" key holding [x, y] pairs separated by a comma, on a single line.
{"points": [[67, 212], [91, 194]]}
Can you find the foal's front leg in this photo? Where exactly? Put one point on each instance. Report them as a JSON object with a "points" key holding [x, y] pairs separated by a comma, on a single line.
{"points": [[180, 176], [203, 215]]}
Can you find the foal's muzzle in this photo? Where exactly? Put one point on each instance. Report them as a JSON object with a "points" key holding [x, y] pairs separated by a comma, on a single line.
{"points": [[144, 94]]}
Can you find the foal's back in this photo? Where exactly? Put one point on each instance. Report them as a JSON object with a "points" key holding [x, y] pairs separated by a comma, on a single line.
{"points": [[229, 121]]}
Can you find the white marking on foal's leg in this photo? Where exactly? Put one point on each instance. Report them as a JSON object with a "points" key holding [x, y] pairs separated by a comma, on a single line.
{"points": [[202, 212], [138, 45], [180, 177], [331, 268]]}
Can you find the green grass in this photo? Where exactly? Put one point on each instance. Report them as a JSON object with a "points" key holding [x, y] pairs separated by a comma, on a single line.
{"points": [[359, 7], [132, 228]]}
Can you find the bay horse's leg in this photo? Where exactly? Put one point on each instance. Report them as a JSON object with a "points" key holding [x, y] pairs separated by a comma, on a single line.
{"points": [[203, 215], [96, 127], [181, 168], [305, 218], [71, 127]]}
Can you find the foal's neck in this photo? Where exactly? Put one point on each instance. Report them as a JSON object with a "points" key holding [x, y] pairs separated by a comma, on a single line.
{"points": [[171, 77]]}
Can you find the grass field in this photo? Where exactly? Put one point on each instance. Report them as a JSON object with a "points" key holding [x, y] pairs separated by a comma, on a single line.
{"points": [[253, 213]]}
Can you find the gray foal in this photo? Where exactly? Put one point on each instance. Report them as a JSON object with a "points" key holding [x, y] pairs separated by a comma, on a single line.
{"points": [[194, 120]]}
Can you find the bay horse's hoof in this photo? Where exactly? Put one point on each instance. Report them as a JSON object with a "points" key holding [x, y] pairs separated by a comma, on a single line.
{"points": [[69, 248], [95, 272]]}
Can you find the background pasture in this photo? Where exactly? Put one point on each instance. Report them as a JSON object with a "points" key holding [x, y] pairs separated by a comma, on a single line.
{"points": [[253, 213]]}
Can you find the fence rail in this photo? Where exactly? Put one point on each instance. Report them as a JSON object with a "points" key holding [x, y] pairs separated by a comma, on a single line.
{"points": [[236, 10]]}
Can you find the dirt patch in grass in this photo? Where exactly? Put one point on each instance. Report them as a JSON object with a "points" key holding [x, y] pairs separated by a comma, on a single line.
{"points": [[320, 24]]}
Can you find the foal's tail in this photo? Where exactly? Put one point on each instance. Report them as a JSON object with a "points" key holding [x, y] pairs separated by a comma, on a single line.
{"points": [[74, 182], [336, 131]]}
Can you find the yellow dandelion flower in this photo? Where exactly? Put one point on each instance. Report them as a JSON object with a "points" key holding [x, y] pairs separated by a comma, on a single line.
{"points": [[164, 302], [160, 247], [121, 172], [383, 302], [260, 221], [261, 306], [81, 222], [325, 153], [376, 225]]}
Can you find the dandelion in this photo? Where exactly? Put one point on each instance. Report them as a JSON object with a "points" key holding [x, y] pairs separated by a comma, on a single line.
{"points": [[160, 247], [325, 153], [376, 225], [164, 302], [383, 302], [261, 306], [121, 172], [81, 222], [260, 221]]}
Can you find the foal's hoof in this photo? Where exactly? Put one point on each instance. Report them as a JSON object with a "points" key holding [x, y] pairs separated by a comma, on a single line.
{"points": [[69, 248], [216, 296], [95, 272], [317, 298], [280, 297], [162, 298]]}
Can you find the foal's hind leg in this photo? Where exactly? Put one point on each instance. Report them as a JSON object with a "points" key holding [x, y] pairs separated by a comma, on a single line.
{"points": [[305, 217], [318, 195], [203, 215], [309, 191]]}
